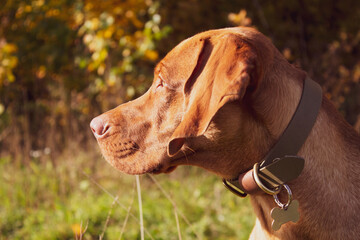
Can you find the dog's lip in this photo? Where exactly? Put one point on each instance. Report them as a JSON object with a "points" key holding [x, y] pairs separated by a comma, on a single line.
{"points": [[161, 169], [155, 170], [174, 163]]}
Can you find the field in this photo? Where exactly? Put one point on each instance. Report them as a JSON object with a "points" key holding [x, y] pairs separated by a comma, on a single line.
{"points": [[83, 197], [64, 62]]}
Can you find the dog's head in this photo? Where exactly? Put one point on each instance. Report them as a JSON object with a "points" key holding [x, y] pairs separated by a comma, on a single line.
{"points": [[195, 112]]}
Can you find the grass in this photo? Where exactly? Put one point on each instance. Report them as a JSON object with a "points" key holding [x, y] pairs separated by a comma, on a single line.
{"points": [[84, 198]]}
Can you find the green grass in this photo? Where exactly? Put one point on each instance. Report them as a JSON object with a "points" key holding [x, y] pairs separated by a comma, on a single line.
{"points": [[42, 201]]}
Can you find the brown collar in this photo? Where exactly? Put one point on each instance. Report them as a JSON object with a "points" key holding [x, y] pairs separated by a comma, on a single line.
{"points": [[281, 164]]}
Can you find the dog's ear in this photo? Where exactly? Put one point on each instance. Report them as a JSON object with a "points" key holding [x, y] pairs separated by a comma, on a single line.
{"points": [[223, 73], [180, 63]]}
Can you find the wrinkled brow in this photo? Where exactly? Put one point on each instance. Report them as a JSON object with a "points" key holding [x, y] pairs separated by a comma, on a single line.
{"points": [[157, 69]]}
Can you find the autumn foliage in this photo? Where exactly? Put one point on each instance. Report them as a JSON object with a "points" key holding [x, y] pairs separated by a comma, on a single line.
{"points": [[63, 62]]}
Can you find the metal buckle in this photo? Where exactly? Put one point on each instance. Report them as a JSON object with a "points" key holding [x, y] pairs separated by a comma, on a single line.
{"points": [[237, 191], [261, 185]]}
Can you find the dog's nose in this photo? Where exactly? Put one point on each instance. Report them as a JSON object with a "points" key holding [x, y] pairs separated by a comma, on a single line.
{"points": [[99, 127]]}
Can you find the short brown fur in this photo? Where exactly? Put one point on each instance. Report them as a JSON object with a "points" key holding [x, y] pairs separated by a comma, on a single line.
{"points": [[220, 100]]}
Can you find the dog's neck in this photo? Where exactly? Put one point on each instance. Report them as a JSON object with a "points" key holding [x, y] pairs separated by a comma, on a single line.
{"points": [[331, 155], [283, 93]]}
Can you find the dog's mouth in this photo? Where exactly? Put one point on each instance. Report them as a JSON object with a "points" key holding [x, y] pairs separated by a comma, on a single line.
{"points": [[173, 163], [160, 169], [127, 156]]}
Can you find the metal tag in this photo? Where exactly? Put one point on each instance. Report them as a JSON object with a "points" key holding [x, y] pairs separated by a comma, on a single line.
{"points": [[282, 215]]}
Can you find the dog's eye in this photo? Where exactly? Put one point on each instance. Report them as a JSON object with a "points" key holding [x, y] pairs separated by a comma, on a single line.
{"points": [[160, 83]]}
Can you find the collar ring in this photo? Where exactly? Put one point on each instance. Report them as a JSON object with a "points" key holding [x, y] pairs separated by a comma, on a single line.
{"points": [[261, 185]]}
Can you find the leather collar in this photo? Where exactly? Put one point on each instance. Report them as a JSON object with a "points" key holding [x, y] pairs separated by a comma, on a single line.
{"points": [[282, 164]]}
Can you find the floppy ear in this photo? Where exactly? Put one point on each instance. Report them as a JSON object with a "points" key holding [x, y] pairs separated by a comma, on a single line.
{"points": [[180, 63], [223, 77]]}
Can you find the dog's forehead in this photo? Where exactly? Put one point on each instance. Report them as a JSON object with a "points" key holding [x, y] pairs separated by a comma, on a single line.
{"points": [[176, 67], [179, 63], [179, 49], [214, 36]]}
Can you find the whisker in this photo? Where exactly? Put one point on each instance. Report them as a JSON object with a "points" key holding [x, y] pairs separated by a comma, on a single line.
{"points": [[146, 151], [137, 149], [187, 160], [192, 150]]}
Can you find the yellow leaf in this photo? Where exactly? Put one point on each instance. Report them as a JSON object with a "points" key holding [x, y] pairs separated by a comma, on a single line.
{"points": [[10, 76], [88, 6], [88, 38], [151, 55], [2, 109], [13, 62], [91, 67], [38, 3], [41, 72], [5, 62], [28, 8], [101, 69], [85, 110], [52, 13], [76, 228], [108, 33], [10, 48], [95, 23], [79, 17]]}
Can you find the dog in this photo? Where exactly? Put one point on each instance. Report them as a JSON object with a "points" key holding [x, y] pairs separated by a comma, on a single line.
{"points": [[220, 100]]}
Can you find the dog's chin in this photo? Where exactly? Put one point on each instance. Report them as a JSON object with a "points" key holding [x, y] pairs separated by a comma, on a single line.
{"points": [[135, 165], [163, 170]]}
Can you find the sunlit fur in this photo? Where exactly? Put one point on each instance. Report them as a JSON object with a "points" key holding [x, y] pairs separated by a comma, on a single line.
{"points": [[229, 94]]}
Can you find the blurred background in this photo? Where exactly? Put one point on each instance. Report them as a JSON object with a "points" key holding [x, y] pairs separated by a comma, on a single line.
{"points": [[63, 62]]}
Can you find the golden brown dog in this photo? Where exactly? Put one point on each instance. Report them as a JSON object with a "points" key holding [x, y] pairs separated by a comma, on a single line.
{"points": [[220, 100]]}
